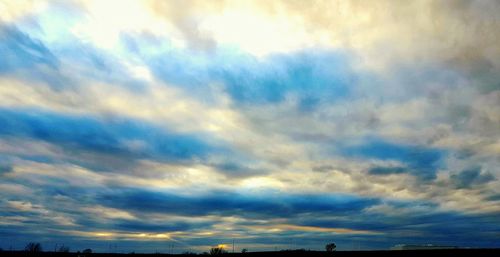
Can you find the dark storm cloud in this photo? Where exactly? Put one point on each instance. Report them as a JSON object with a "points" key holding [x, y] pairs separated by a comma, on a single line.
{"points": [[471, 177], [494, 197], [145, 226], [230, 203], [5, 168], [421, 161], [234, 169], [406, 223], [386, 170]]}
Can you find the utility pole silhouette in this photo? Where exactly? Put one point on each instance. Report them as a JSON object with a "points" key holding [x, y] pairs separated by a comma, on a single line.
{"points": [[233, 245]]}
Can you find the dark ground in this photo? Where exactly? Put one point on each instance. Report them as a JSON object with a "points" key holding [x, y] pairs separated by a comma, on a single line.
{"points": [[406, 253]]}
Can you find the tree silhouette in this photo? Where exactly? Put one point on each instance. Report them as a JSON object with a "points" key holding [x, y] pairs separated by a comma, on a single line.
{"points": [[33, 247], [217, 251], [63, 249], [87, 251], [330, 247]]}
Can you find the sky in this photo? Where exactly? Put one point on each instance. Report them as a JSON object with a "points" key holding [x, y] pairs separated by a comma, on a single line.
{"points": [[173, 126]]}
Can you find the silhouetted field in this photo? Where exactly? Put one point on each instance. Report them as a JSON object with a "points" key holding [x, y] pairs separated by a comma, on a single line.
{"points": [[405, 253]]}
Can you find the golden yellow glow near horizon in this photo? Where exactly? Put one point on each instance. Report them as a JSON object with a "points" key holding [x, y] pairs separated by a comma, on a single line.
{"points": [[223, 246]]}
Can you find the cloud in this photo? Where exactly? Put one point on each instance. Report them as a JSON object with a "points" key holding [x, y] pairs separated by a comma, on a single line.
{"points": [[380, 29], [5, 168], [399, 221], [230, 203], [234, 169], [14, 11], [311, 74], [495, 197], [26, 56], [471, 177], [21, 51], [123, 138], [422, 162], [386, 170], [158, 227], [458, 33]]}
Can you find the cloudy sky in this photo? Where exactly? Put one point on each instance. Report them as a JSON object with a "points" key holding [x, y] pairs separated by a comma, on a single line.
{"points": [[146, 125]]}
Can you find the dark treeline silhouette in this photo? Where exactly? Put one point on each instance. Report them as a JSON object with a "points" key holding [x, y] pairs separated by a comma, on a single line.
{"points": [[35, 249], [289, 253]]}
